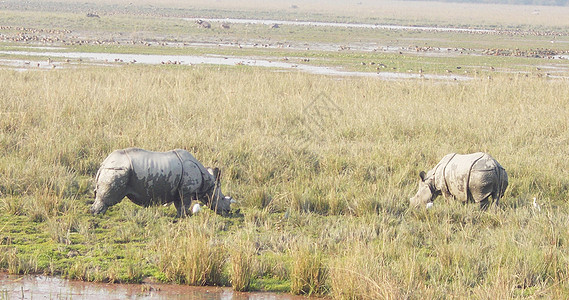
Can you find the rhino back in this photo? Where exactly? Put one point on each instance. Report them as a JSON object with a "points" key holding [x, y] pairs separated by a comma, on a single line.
{"points": [[457, 172], [155, 176], [116, 160], [195, 178], [485, 163]]}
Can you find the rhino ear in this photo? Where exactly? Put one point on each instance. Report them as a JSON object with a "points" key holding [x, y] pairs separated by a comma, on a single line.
{"points": [[215, 172], [422, 175]]}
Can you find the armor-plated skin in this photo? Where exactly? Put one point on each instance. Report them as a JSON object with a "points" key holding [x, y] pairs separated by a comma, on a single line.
{"points": [[468, 178], [154, 178]]}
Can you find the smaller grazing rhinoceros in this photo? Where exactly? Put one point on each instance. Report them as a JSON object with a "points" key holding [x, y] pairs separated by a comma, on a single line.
{"points": [[468, 178], [154, 178]]}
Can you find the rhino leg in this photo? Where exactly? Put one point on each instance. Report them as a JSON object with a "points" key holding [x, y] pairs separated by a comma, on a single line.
{"points": [[484, 204], [110, 188], [182, 207], [496, 199], [178, 206]]}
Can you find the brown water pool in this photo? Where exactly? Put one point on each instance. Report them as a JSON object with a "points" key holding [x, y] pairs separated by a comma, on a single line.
{"points": [[45, 287]]}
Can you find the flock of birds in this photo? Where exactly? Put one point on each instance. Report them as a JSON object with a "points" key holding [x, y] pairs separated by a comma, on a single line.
{"points": [[66, 37], [532, 53]]}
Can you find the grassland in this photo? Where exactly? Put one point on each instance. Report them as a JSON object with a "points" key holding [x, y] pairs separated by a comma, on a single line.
{"points": [[322, 167], [341, 193]]}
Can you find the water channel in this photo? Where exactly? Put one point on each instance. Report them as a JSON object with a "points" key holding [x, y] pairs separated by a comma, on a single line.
{"points": [[155, 59]]}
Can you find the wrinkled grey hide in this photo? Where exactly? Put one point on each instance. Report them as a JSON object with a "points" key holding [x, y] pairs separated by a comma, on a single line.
{"points": [[468, 178], [154, 178]]}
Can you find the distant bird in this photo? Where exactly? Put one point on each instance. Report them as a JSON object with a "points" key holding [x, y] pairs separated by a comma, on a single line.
{"points": [[536, 205], [196, 208]]}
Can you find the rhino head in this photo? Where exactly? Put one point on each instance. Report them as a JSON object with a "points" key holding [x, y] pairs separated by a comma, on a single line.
{"points": [[109, 189], [218, 202], [98, 207], [426, 193], [101, 203]]}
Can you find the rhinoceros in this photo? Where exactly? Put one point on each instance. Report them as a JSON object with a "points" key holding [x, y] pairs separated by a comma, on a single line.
{"points": [[153, 178], [465, 177]]}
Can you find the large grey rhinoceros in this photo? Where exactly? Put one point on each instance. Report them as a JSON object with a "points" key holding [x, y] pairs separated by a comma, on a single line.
{"points": [[466, 177], [153, 178]]}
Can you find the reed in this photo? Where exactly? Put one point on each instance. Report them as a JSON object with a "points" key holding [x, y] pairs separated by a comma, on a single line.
{"points": [[309, 273], [242, 255], [189, 255]]}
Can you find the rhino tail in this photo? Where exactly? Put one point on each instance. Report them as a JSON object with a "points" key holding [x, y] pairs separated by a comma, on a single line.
{"points": [[503, 181], [502, 177]]}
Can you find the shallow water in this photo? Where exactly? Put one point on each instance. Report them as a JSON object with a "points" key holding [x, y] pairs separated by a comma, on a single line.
{"points": [[44, 287], [154, 59]]}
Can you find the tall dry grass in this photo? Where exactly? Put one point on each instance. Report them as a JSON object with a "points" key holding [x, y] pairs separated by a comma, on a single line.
{"points": [[189, 254], [338, 178], [309, 273], [241, 256]]}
